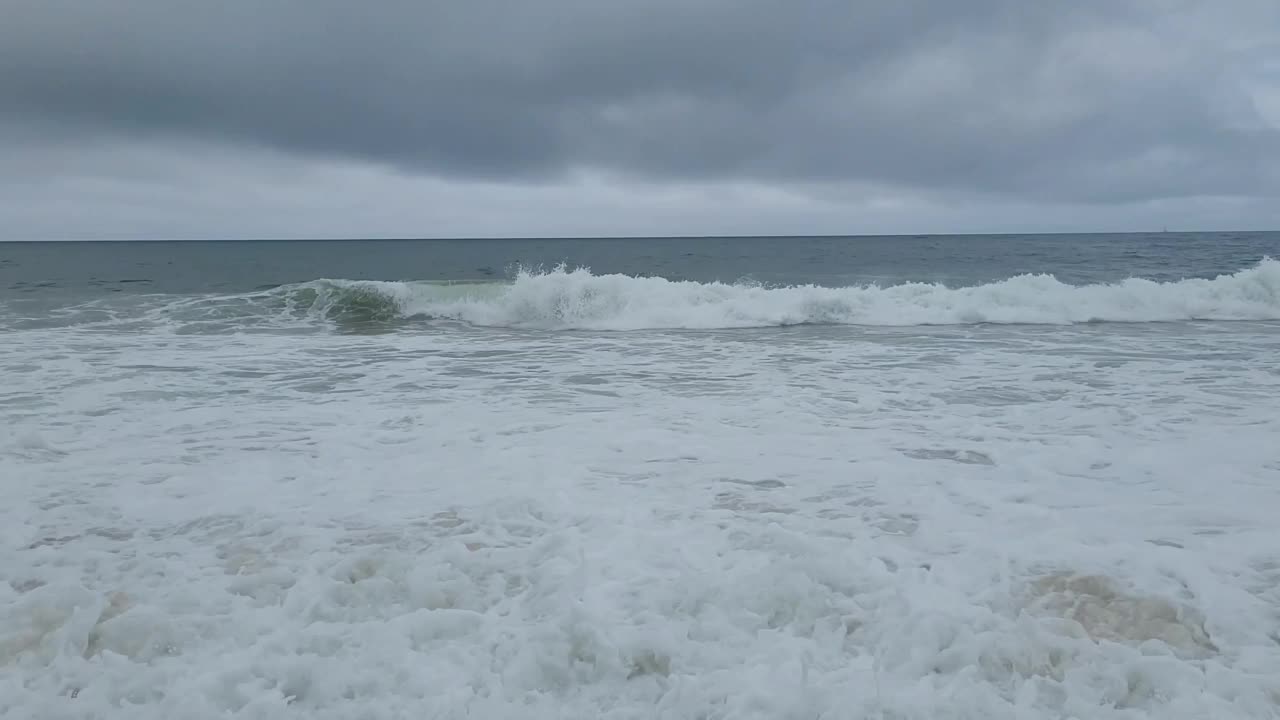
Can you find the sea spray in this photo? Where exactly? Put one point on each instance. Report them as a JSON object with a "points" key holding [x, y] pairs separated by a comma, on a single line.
{"points": [[563, 298]]}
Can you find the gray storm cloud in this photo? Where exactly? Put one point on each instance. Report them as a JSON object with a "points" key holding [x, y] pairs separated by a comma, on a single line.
{"points": [[1085, 102]]}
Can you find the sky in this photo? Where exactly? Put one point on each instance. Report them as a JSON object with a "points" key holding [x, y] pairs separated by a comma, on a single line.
{"points": [[178, 119]]}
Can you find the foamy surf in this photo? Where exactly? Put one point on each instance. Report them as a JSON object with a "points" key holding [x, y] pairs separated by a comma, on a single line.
{"points": [[564, 298], [492, 525], [337, 499]]}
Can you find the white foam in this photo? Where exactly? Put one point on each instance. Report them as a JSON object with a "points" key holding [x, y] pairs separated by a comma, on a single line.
{"points": [[563, 299], [1011, 522], [568, 299]]}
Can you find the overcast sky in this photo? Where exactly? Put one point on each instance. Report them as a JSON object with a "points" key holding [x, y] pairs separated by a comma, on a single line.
{"points": [[319, 118]]}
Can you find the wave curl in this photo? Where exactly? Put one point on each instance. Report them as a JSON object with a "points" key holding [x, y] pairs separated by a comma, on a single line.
{"points": [[564, 298]]}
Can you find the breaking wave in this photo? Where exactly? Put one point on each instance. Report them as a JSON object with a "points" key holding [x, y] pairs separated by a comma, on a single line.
{"points": [[577, 299]]}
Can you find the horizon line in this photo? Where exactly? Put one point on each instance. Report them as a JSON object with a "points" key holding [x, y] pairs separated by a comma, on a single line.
{"points": [[485, 238]]}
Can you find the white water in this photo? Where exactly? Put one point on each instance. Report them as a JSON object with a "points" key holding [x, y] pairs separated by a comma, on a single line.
{"points": [[1000, 522], [565, 299]]}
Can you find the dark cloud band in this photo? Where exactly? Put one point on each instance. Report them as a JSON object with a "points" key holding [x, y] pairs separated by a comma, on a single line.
{"points": [[1092, 101]]}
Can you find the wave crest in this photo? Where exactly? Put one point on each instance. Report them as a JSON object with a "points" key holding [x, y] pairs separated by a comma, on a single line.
{"points": [[563, 299]]}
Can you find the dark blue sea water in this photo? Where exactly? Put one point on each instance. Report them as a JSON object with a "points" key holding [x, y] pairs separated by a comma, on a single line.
{"points": [[206, 267]]}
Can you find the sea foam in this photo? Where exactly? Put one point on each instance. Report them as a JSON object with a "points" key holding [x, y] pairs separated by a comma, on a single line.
{"points": [[494, 524], [566, 298]]}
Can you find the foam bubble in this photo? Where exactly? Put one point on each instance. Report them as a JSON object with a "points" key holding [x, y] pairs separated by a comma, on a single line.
{"points": [[1103, 612]]}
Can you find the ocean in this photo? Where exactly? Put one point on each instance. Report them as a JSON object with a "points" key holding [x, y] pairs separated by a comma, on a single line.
{"points": [[897, 478]]}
